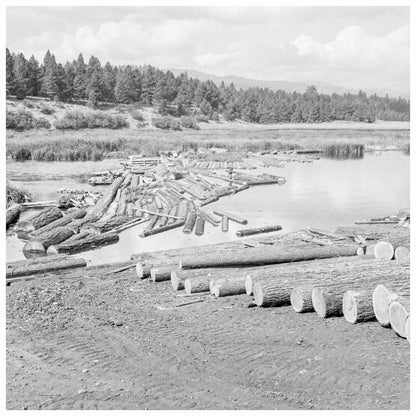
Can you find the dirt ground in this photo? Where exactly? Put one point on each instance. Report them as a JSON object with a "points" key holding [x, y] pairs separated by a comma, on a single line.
{"points": [[117, 343]]}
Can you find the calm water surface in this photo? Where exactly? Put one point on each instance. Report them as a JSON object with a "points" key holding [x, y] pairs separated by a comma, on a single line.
{"points": [[324, 194]]}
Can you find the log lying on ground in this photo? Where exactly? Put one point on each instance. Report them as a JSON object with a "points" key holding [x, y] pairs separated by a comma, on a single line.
{"points": [[61, 222], [197, 284], [384, 294], [257, 256], [328, 300], [401, 252], [231, 216], [161, 273], [12, 214], [229, 287], [386, 249], [87, 243], [39, 220], [199, 226], [277, 291], [259, 230], [399, 311], [357, 306], [40, 243], [43, 265]]}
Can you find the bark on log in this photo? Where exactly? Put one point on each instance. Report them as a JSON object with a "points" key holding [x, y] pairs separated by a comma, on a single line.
{"points": [[100, 208], [225, 224], [399, 311], [146, 233], [61, 222], [259, 256], [87, 243], [357, 306], [100, 227], [229, 287], [231, 216], [369, 250], [197, 285], [183, 209], [39, 220], [199, 226], [12, 214], [208, 218], [384, 294], [48, 264], [190, 222], [161, 273], [259, 230], [301, 299], [40, 243]]}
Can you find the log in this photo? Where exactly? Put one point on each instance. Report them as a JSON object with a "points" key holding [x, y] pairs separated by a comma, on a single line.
{"points": [[12, 214], [48, 264], [100, 208], [161, 273], [134, 182], [190, 222], [401, 253], [369, 250], [101, 226], [65, 220], [87, 243], [146, 233], [259, 230], [208, 218], [129, 209], [399, 311], [199, 226], [386, 293], [39, 220], [197, 284], [357, 306], [301, 299], [232, 217], [386, 249], [225, 224], [257, 256], [229, 287], [40, 243]]}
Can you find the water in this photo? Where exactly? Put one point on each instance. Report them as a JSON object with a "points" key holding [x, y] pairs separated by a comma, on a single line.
{"points": [[324, 194]]}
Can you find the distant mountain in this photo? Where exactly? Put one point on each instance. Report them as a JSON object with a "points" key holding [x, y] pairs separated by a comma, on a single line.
{"points": [[289, 86]]}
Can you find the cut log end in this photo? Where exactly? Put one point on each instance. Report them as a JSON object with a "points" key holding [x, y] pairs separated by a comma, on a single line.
{"points": [[398, 316], [139, 271], [153, 276], [299, 301], [258, 294], [52, 250], [381, 299], [401, 253], [369, 250], [211, 287], [216, 291], [188, 287], [361, 251], [318, 302], [384, 250], [34, 247], [249, 285], [177, 284], [349, 306]]}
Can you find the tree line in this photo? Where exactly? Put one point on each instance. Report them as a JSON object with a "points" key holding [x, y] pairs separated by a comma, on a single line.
{"points": [[182, 95]]}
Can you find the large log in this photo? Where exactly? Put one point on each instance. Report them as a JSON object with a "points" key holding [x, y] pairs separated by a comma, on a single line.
{"points": [[190, 222], [87, 243], [277, 291], [357, 306], [197, 284], [384, 294], [176, 224], [208, 218], [259, 230], [231, 216], [100, 208], [199, 226], [105, 226], [229, 287], [386, 249], [40, 243], [43, 265], [39, 220], [12, 214], [258, 256], [399, 311], [161, 273]]}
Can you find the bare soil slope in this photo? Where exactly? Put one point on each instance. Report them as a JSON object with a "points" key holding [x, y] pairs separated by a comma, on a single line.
{"points": [[117, 343]]}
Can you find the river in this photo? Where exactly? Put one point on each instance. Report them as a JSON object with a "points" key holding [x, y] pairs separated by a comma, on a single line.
{"points": [[324, 194]]}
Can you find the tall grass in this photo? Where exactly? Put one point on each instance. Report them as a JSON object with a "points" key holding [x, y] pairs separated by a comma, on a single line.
{"points": [[16, 195], [76, 120], [344, 150]]}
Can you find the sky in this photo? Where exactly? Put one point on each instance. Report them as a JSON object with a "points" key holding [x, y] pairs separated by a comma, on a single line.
{"points": [[354, 47]]}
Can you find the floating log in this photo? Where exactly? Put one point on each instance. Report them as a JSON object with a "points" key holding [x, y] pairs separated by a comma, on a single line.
{"points": [[39, 220], [225, 224], [161, 273], [199, 226], [41, 242], [232, 217], [399, 311], [257, 256], [43, 265], [87, 243], [146, 233], [386, 293], [77, 213], [208, 218], [12, 214], [259, 230], [190, 222]]}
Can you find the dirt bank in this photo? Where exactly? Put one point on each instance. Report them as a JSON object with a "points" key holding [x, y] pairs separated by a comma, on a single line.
{"points": [[117, 343]]}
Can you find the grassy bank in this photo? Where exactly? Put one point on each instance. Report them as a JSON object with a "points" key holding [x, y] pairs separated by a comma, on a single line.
{"points": [[16, 195], [104, 143]]}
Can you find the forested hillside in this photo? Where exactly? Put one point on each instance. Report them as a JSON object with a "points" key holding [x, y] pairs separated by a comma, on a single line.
{"points": [[181, 95]]}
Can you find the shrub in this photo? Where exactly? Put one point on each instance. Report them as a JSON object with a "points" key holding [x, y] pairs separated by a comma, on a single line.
{"points": [[202, 118], [166, 123], [76, 120], [42, 123], [28, 104], [20, 120], [137, 115], [16, 195], [46, 109], [189, 123]]}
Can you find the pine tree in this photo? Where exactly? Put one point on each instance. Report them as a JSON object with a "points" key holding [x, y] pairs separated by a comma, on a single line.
{"points": [[33, 77], [10, 77], [20, 76], [80, 80], [109, 82], [95, 81]]}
